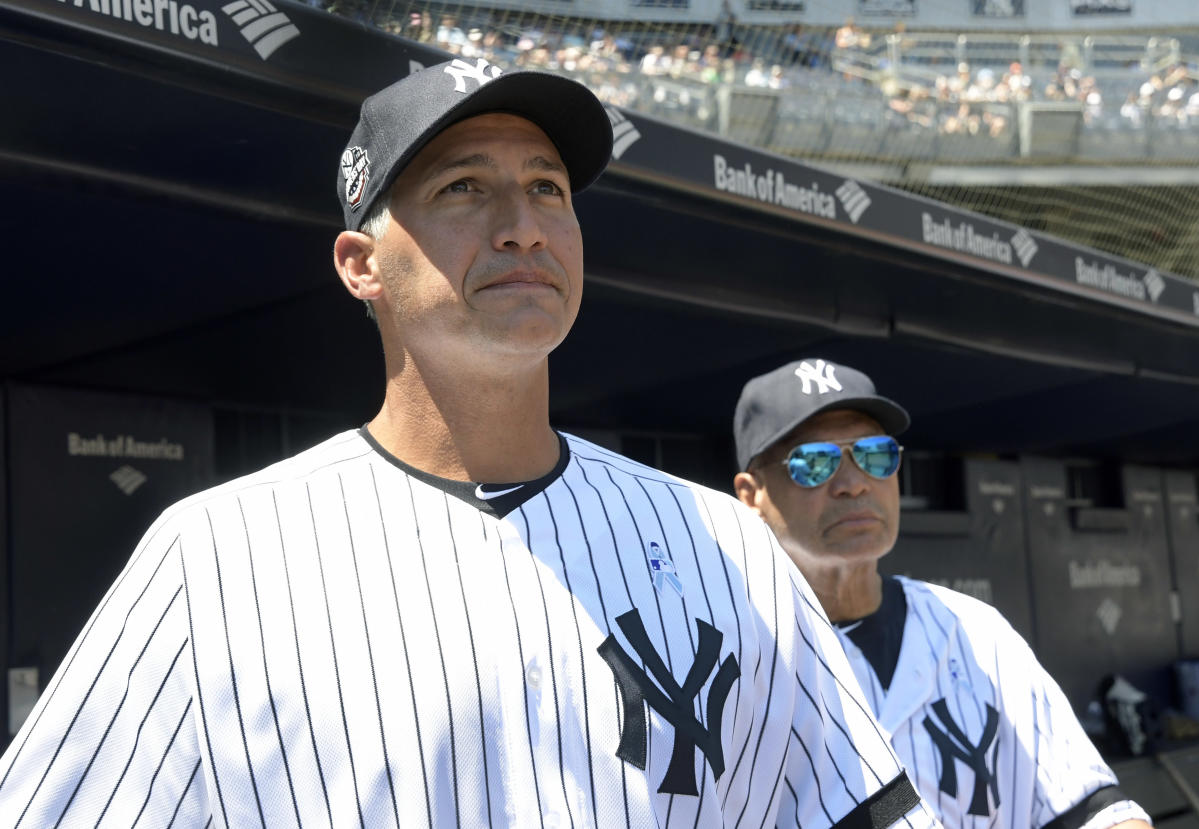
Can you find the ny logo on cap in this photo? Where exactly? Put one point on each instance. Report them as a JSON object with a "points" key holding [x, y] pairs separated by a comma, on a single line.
{"points": [[481, 72], [821, 374]]}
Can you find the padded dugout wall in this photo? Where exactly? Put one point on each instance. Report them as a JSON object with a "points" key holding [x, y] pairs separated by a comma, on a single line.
{"points": [[1100, 582], [1183, 522], [981, 551], [89, 473], [5, 547]]}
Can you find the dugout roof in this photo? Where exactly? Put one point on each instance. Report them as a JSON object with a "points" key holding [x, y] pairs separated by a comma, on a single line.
{"points": [[169, 215]]}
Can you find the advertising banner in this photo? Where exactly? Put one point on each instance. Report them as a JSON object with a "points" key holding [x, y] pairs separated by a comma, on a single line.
{"points": [[808, 194], [89, 472], [295, 44], [887, 8], [997, 8], [1085, 7]]}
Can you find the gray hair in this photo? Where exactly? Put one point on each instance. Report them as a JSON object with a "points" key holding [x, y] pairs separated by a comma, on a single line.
{"points": [[375, 226], [375, 223]]}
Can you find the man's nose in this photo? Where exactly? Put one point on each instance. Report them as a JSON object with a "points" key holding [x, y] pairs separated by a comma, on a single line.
{"points": [[517, 225], [849, 480]]}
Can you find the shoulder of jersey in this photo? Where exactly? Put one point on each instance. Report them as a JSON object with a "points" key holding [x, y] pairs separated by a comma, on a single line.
{"points": [[586, 450], [583, 450], [343, 446], [970, 612]]}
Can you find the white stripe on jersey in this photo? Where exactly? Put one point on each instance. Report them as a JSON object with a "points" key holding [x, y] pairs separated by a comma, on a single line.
{"points": [[961, 651], [334, 642]]}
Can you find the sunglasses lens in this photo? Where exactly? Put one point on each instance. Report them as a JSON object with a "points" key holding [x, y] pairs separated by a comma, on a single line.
{"points": [[877, 456], [811, 464]]}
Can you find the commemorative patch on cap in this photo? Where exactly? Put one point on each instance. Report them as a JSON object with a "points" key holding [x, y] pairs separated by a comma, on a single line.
{"points": [[356, 170]]}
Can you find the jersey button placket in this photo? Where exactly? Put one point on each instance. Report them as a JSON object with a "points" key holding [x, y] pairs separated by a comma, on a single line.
{"points": [[533, 680]]}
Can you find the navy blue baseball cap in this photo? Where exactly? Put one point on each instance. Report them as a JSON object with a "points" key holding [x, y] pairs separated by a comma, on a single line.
{"points": [[396, 122], [773, 404]]}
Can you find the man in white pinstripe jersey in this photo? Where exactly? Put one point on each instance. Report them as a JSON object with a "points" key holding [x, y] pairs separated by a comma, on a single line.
{"points": [[985, 733], [457, 616]]}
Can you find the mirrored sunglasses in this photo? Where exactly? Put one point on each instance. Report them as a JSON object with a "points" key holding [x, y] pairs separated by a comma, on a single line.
{"points": [[812, 464]]}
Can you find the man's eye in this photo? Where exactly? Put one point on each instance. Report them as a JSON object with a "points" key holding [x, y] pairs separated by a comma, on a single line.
{"points": [[462, 185], [547, 188]]}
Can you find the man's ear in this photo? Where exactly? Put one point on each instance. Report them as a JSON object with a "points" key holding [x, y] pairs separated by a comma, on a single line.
{"points": [[747, 487], [354, 258]]}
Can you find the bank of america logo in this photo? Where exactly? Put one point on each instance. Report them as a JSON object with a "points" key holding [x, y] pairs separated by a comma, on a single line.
{"points": [[1154, 284], [1025, 246], [264, 26], [624, 134], [853, 199], [1109, 614], [128, 479]]}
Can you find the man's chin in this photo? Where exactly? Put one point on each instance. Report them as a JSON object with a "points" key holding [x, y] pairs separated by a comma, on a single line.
{"points": [[531, 330], [859, 546], [522, 344]]}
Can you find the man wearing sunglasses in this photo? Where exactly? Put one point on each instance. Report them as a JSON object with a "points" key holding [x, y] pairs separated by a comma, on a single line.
{"points": [[986, 735]]}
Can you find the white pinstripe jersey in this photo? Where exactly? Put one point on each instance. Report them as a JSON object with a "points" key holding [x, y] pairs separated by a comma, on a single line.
{"points": [[338, 641], [968, 690]]}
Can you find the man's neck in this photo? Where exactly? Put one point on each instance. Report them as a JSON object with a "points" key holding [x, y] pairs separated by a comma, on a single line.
{"points": [[849, 592], [473, 428]]}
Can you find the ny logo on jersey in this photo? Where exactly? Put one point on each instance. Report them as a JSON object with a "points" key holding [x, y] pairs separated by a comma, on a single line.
{"points": [[481, 72], [675, 705], [955, 745], [822, 374]]}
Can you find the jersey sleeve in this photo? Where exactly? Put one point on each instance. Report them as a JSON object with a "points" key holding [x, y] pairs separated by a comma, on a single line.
{"points": [[841, 770], [112, 740], [1074, 787]]}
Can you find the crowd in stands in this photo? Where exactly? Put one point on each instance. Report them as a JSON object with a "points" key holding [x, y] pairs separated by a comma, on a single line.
{"points": [[715, 54], [1172, 96], [624, 67], [978, 100]]}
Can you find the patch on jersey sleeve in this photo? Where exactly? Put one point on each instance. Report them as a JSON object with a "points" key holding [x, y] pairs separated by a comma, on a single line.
{"points": [[886, 807]]}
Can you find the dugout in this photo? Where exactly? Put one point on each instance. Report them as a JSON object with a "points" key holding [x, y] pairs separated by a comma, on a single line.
{"points": [[174, 201], [1092, 562], [981, 549], [1183, 531], [1101, 574]]}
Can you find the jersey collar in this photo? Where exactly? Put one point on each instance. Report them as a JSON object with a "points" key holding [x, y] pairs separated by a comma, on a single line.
{"points": [[495, 499]]}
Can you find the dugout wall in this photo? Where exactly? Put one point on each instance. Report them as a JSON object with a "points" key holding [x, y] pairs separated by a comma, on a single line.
{"points": [[1101, 581], [89, 473], [5, 589], [1182, 512], [981, 551]]}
